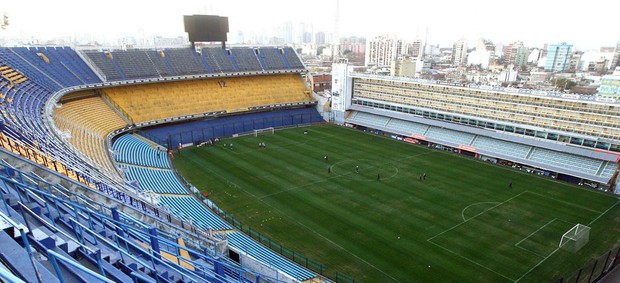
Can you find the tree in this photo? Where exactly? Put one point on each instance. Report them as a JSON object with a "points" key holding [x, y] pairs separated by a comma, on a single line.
{"points": [[563, 83]]}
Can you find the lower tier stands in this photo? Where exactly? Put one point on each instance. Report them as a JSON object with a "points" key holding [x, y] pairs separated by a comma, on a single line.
{"points": [[503, 147], [189, 208], [540, 157], [454, 137], [136, 150], [156, 102], [199, 131], [560, 159], [245, 244], [161, 181], [78, 239]]}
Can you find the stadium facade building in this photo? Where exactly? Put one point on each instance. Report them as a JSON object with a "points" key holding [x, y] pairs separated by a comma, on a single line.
{"points": [[565, 136]]}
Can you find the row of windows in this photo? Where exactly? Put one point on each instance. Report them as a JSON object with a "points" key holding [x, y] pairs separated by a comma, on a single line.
{"points": [[586, 118], [515, 116], [494, 126], [499, 96]]}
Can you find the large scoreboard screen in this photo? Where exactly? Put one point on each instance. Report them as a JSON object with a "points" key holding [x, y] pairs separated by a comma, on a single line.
{"points": [[206, 28]]}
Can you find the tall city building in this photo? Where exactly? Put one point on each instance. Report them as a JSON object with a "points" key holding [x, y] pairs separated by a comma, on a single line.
{"points": [[485, 45], [510, 54], [405, 67], [381, 50], [319, 38], [521, 54], [459, 52], [615, 62], [558, 57], [288, 33], [415, 49]]}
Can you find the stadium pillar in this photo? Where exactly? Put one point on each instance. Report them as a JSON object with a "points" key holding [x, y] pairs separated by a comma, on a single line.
{"points": [[219, 268], [117, 219], [154, 242]]}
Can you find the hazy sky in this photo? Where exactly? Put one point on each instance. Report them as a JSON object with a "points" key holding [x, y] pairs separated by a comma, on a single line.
{"points": [[586, 24]]}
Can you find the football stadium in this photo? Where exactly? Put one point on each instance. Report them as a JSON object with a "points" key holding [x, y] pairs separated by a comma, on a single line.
{"points": [[218, 163]]}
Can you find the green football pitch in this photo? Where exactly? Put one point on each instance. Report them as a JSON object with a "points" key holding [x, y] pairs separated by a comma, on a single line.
{"points": [[382, 223]]}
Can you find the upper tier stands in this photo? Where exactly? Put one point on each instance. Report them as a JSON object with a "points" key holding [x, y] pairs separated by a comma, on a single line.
{"points": [[51, 67], [88, 121], [153, 102], [591, 168], [139, 63]]}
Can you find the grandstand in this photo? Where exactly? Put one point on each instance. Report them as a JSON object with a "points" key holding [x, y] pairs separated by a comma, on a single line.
{"points": [[84, 188], [569, 137], [104, 203]]}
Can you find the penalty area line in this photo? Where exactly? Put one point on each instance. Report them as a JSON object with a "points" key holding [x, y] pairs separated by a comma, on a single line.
{"points": [[482, 212], [470, 260]]}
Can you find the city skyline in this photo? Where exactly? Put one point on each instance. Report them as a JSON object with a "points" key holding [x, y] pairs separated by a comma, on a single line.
{"points": [[530, 21]]}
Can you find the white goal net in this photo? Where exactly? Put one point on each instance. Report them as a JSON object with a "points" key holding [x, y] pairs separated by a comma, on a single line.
{"points": [[269, 130], [575, 238]]}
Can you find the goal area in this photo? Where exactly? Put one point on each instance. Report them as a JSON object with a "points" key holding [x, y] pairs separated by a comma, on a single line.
{"points": [[575, 238], [269, 130]]}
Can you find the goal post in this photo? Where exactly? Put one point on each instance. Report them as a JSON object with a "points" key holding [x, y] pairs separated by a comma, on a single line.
{"points": [[575, 238], [269, 130]]}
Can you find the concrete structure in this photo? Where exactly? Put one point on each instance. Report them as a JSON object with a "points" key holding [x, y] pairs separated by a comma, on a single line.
{"points": [[319, 82], [558, 57], [459, 52]]}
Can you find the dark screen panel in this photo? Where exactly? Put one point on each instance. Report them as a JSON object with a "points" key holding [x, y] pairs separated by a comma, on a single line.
{"points": [[206, 28]]}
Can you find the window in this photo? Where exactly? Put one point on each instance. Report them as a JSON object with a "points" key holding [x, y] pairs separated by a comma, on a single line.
{"points": [[589, 143], [576, 141]]}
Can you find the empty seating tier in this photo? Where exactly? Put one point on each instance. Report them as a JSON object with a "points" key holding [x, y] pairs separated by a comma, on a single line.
{"points": [[133, 150], [160, 101], [188, 207], [505, 148], [88, 122], [161, 181]]}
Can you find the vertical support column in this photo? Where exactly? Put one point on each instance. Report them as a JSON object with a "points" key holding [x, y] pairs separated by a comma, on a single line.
{"points": [[154, 242], [117, 218], [219, 268]]}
